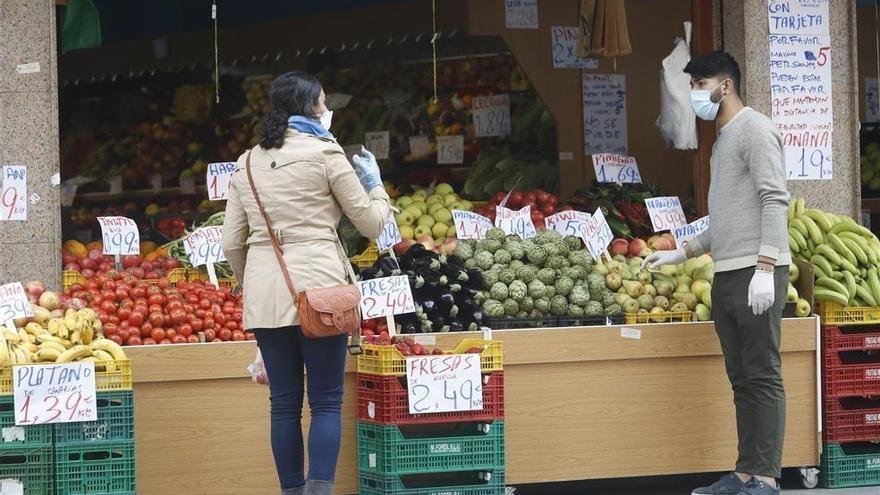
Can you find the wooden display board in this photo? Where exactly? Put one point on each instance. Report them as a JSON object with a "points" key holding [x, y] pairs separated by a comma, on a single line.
{"points": [[616, 407]]}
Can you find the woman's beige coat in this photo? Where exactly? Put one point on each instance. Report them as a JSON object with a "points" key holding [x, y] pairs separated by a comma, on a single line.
{"points": [[306, 186]]}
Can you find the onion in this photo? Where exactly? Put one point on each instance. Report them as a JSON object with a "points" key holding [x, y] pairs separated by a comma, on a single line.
{"points": [[34, 288], [76, 303], [49, 300]]}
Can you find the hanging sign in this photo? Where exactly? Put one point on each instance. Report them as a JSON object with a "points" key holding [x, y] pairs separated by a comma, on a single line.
{"points": [[205, 246], [563, 40], [120, 235], [337, 101], [379, 143], [450, 150], [14, 303], [803, 17], [521, 14], [618, 169], [390, 234], [517, 222], [54, 393], [470, 225], [665, 212], [687, 232], [491, 115], [419, 146], [872, 100], [596, 234], [567, 223], [13, 195], [187, 185], [604, 99], [386, 296], [217, 179], [447, 383], [116, 184]]}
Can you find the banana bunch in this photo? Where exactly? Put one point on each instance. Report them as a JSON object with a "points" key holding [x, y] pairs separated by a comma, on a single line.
{"points": [[845, 255], [75, 337]]}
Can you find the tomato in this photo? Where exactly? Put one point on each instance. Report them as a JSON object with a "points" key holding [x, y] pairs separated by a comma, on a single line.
{"points": [[116, 338], [157, 334], [157, 319], [171, 263], [156, 299], [238, 335], [540, 196], [149, 341], [191, 299], [108, 307], [529, 197], [170, 333], [124, 325], [164, 342], [548, 209], [109, 285], [124, 314], [109, 295], [121, 293], [178, 339], [110, 330], [197, 325], [205, 304], [163, 283], [156, 308], [208, 323], [136, 318], [201, 313], [177, 317], [113, 319], [231, 325], [134, 340], [250, 336], [139, 292], [104, 317], [189, 309], [186, 330], [220, 319], [192, 339], [217, 340], [172, 305], [224, 334], [210, 335], [137, 273]]}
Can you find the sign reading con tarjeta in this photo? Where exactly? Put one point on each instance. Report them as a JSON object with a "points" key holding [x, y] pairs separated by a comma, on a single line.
{"points": [[446, 383], [54, 393]]}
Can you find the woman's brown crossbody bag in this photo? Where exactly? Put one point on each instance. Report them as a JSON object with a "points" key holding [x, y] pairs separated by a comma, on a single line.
{"points": [[327, 312]]}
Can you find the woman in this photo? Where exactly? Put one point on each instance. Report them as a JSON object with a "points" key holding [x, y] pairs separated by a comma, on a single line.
{"points": [[306, 185]]}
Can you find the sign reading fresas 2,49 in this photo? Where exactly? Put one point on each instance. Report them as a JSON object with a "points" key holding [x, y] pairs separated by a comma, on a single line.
{"points": [[445, 383], [386, 296]]}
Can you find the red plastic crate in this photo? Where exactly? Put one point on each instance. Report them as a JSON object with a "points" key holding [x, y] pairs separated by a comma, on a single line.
{"points": [[852, 419], [852, 374], [851, 339], [384, 400]]}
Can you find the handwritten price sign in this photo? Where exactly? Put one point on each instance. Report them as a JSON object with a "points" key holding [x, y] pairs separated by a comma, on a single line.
{"points": [[205, 246], [521, 14], [419, 146], [120, 235], [665, 212], [13, 303], [517, 222], [450, 150], [390, 235], [687, 232], [386, 296], [469, 225], [567, 222], [444, 383], [56, 393], [596, 234], [13, 195], [379, 144], [491, 115], [619, 169], [218, 180]]}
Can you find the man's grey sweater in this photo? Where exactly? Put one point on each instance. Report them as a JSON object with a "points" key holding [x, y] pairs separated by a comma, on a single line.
{"points": [[748, 199]]}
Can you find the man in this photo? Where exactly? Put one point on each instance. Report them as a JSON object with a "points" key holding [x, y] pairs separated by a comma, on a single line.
{"points": [[748, 205]]}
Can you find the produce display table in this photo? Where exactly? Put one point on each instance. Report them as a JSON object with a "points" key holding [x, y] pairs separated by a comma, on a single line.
{"points": [[581, 403]]}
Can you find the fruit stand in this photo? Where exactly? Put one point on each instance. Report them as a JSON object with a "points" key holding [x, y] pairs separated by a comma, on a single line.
{"points": [[659, 404]]}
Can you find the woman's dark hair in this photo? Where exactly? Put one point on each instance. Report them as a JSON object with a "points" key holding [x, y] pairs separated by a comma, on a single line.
{"points": [[293, 93]]}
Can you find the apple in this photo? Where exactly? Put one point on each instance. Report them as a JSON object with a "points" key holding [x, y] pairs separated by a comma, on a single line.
{"points": [[636, 246], [802, 309], [620, 246]]}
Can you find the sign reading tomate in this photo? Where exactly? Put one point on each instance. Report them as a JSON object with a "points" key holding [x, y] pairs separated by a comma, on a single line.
{"points": [[386, 296], [218, 180], [120, 236]]}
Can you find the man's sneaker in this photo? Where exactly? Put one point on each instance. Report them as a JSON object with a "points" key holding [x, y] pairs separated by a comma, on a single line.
{"points": [[758, 487], [727, 485]]}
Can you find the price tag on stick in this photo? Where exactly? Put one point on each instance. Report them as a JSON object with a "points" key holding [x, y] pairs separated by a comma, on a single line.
{"points": [[665, 212], [419, 146], [120, 236], [13, 194], [618, 169], [446, 383], [569, 222], [204, 246], [450, 150], [379, 144], [13, 303], [687, 232], [386, 296], [597, 234], [60, 393], [491, 115], [390, 235], [517, 222], [218, 180], [470, 225]]}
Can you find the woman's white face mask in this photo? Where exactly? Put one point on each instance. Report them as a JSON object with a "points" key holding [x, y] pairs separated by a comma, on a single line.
{"points": [[701, 102], [326, 119]]}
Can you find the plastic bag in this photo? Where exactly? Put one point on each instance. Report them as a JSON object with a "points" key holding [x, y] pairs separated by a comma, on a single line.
{"points": [[676, 122], [81, 27]]}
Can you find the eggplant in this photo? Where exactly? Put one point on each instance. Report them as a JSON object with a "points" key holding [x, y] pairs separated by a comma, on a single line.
{"points": [[454, 288], [410, 327], [455, 261], [473, 327], [445, 302], [436, 265], [478, 318], [416, 282], [369, 273], [414, 253], [425, 326], [387, 264], [438, 324], [475, 279], [456, 326]]}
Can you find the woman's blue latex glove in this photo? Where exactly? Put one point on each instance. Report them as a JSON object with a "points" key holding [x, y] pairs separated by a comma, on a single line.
{"points": [[367, 169]]}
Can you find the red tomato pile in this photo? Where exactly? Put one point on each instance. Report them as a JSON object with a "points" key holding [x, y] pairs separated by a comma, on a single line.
{"points": [[543, 204], [375, 332], [136, 313], [96, 264]]}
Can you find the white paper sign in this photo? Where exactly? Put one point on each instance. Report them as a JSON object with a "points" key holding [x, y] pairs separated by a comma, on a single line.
{"points": [[491, 115], [205, 246], [445, 383], [470, 225], [665, 212], [563, 40], [518, 222], [14, 303], [804, 17], [218, 179], [618, 169], [156, 183], [379, 144], [386, 296], [521, 14], [13, 194], [187, 185], [54, 393], [872, 100], [30, 68], [390, 234], [116, 184], [687, 232], [419, 146], [11, 486], [120, 235], [597, 234], [336, 101], [569, 222], [800, 90], [450, 149], [604, 98]]}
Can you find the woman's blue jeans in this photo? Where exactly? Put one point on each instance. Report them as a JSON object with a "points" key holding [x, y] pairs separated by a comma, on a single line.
{"points": [[286, 352]]}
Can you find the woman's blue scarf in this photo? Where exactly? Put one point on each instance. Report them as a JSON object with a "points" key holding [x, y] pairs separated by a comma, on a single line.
{"points": [[308, 126]]}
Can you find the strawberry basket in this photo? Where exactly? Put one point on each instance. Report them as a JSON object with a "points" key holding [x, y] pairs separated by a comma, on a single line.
{"points": [[387, 360]]}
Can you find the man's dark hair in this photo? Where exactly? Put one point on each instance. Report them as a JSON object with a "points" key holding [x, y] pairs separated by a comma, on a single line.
{"points": [[718, 63]]}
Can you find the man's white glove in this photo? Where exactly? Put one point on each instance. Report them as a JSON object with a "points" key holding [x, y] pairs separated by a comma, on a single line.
{"points": [[659, 258], [762, 292]]}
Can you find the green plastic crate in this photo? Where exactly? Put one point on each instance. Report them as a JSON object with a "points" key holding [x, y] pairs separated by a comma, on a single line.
{"points": [[848, 465], [408, 450], [95, 468], [31, 467], [35, 436], [456, 483], [115, 421]]}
